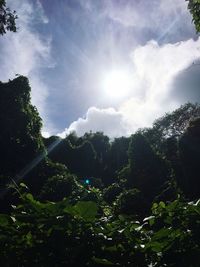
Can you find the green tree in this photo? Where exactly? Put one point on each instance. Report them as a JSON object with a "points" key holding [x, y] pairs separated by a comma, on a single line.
{"points": [[59, 186], [7, 18]]}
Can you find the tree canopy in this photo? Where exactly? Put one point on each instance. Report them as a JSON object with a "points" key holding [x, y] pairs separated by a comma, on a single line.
{"points": [[7, 18], [194, 8]]}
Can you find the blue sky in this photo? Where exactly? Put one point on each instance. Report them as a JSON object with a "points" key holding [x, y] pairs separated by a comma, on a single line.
{"points": [[68, 47]]}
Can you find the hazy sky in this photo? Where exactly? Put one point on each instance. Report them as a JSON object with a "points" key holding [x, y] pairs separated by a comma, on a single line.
{"points": [[68, 48]]}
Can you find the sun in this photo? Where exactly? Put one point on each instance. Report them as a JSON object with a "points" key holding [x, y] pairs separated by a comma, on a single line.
{"points": [[117, 83]]}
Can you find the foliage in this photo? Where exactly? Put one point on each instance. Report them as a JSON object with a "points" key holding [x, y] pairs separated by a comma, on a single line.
{"points": [[76, 226], [64, 234], [148, 171], [111, 192], [59, 186], [44, 170], [189, 147], [171, 125], [194, 8], [7, 18], [20, 137], [131, 202], [80, 160]]}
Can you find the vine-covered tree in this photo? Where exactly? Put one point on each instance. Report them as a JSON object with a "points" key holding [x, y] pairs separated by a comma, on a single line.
{"points": [[20, 136]]}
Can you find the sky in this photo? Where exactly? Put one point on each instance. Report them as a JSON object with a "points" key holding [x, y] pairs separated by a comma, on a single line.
{"points": [[103, 65]]}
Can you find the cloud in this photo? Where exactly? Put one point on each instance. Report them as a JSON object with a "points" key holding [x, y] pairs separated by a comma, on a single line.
{"points": [[107, 120], [150, 14], [26, 52], [155, 69], [163, 19]]}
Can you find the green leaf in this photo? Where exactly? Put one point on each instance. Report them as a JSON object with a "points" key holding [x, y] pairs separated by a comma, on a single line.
{"points": [[162, 204], [4, 220], [87, 210], [23, 185], [30, 197], [102, 261]]}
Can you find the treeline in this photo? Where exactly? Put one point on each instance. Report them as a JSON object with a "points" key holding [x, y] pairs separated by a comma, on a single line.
{"points": [[96, 201], [160, 161]]}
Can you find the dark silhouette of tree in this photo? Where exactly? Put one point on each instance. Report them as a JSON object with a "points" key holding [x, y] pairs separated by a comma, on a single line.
{"points": [[119, 153], [80, 160], [20, 137], [189, 146], [59, 186], [148, 171], [131, 202], [100, 143], [7, 18], [172, 124], [111, 192]]}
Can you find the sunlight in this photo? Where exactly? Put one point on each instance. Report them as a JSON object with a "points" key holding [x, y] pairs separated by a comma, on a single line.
{"points": [[117, 83]]}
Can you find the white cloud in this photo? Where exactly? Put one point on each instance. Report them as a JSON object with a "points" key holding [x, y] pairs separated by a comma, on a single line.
{"points": [[107, 120], [25, 52], [155, 68]]}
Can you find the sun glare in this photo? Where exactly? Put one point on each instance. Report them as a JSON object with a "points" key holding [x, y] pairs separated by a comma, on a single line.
{"points": [[117, 84]]}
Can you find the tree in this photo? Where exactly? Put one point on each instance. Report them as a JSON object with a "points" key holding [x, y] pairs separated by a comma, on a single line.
{"points": [[118, 157], [189, 149], [20, 136], [148, 171], [194, 8], [59, 186], [7, 18], [100, 143], [171, 125], [132, 202], [111, 192]]}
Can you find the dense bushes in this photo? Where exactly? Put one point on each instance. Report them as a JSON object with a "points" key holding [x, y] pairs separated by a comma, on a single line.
{"points": [[60, 234], [59, 186]]}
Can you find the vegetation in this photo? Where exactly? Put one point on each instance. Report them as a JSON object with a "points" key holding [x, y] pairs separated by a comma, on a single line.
{"points": [[7, 18], [91, 201], [194, 7]]}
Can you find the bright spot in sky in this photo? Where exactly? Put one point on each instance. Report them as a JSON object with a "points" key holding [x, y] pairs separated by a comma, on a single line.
{"points": [[117, 84]]}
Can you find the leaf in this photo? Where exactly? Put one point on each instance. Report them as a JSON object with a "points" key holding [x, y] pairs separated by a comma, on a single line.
{"points": [[87, 210], [30, 197], [163, 233], [102, 261], [4, 219], [155, 246], [23, 185], [162, 204], [111, 249]]}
